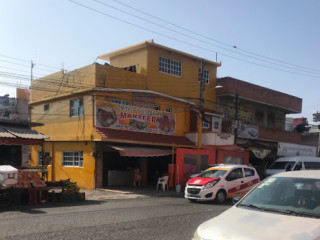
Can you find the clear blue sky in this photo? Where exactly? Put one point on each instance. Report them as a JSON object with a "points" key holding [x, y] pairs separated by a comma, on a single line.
{"points": [[61, 34]]}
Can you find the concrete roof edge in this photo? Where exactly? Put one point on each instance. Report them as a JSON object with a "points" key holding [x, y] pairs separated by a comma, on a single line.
{"points": [[143, 91]]}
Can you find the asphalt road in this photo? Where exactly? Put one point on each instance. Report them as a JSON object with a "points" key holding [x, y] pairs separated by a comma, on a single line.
{"points": [[140, 218]]}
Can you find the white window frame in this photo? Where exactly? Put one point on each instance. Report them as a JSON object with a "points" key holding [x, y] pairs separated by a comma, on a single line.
{"points": [[39, 162], [170, 66], [206, 75], [72, 162], [156, 108], [214, 123], [209, 117], [122, 102], [168, 110], [76, 107]]}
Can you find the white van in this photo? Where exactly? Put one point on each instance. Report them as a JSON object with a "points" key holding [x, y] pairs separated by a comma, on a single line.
{"points": [[293, 163]]}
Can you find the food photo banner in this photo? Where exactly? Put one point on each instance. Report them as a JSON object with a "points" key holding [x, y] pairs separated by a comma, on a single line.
{"points": [[132, 118]]}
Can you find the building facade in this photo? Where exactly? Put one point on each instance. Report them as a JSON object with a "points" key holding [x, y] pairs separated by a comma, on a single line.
{"points": [[164, 84], [257, 116], [16, 135]]}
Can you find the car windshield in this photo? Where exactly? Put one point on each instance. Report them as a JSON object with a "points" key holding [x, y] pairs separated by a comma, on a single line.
{"points": [[294, 196], [213, 173], [279, 165]]}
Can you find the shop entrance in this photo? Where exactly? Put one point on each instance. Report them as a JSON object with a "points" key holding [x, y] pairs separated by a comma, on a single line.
{"points": [[157, 167], [117, 170], [10, 155]]}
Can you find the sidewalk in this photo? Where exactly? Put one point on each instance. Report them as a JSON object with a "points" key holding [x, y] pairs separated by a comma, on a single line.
{"points": [[127, 193]]}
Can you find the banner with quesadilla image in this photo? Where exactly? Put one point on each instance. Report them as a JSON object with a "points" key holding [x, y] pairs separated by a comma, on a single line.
{"points": [[132, 118]]}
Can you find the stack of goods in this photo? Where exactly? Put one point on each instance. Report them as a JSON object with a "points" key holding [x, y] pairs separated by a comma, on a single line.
{"points": [[29, 179]]}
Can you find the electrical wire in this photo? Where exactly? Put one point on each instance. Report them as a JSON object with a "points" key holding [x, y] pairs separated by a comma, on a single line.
{"points": [[197, 39], [212, 39], [188, 43]]}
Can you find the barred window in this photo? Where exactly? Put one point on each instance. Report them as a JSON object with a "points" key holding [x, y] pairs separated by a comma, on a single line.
{"points": [[206, 121], [76, 107], [39, 157], [205, 75], [169, 66], [72, 159], [215, 123]]}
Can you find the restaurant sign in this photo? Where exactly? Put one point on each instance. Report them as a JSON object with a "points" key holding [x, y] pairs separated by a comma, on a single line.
{"points": [[132, 118]]}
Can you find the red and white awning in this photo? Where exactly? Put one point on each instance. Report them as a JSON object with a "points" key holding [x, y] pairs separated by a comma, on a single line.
{"points": [[133, 151]]}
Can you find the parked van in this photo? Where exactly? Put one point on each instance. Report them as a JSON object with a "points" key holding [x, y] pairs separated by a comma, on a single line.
{"points": [[293, 163]]}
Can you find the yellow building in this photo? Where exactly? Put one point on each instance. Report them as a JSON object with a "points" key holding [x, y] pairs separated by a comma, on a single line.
{"points": [[106, 121], [99, 135], [169, 71]]}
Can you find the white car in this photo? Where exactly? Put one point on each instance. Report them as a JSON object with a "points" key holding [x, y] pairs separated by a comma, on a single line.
{"points": [[221, 182], [284, 206]]}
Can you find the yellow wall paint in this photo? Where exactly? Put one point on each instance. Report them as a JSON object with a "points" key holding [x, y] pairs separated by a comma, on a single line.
{"points": [[112, 77], [63, 84], [58, 124], [137, 57], [84, 176], [187, 86]]}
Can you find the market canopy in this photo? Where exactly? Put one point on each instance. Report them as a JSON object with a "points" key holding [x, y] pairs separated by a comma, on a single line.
{"points": [[142, 138], [135, 151]]}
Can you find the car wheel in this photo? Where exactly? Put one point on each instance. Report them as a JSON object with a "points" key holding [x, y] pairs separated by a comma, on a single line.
{"points": [[221, 196], [192, 200]]}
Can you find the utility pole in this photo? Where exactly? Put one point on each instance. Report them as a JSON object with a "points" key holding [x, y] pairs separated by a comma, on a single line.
{"points": [[236, 103], [201, 86], [201, 102], [32, 66]]}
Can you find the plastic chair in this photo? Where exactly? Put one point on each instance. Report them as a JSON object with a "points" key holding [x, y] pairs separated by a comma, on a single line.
{"points": [[163, 182]]}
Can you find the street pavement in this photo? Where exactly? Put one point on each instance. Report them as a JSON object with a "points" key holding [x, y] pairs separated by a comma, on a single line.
{"points": [[128, 193], [110, 214]]}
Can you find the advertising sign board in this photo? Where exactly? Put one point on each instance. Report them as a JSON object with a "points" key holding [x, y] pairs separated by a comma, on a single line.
{"points": [[132, 118], [290, 149], [246, 131]]}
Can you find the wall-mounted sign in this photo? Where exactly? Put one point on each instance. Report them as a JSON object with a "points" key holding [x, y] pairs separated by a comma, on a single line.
{"points": [[246, 131], [289, 149], [132, 118]]}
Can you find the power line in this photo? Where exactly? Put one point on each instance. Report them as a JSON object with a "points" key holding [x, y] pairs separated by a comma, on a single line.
{"points": [[212, 39], [188, 43], [26, 61]]}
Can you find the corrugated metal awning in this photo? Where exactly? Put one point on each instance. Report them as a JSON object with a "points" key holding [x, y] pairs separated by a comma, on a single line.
{"points": [[133, 151], [5, 134], [19, 135], [22, 132]]}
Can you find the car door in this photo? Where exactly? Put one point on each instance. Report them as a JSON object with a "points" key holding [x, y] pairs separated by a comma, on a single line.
{"points": [[250, 179], [234, 180]]}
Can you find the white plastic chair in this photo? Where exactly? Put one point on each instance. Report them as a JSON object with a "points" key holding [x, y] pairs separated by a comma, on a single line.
{"points": [[163, 182]]}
